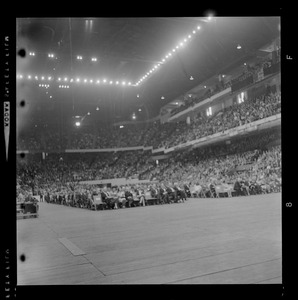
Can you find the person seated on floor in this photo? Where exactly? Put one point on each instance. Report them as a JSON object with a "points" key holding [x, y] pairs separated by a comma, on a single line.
{"points": [[186, 189], [238, 187], [253, 186], [173, 197], [181, 195], [128, 196], [211, 192], [163, 194], [197, 189], [155, 193], [107, 197], [114, 194], [140, 193], [121, 197]]}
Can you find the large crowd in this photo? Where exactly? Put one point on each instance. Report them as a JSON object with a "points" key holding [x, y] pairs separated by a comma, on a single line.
{"points": [[157, 135], [248, 71], [196, 172]]}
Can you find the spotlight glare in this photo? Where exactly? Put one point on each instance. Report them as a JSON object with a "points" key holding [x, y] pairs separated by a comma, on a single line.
{"points": [[78, 124], [78, 80], [85, 80], [36, 77], [117, 82], [123, 83], [59, 79], [173, 50], [97, 81], [185, 40], [29, 76], [91, 81], [49, 78], [199, 27], [189, 36], [111, 82], [129, 83], [42, 77], [194, 32], [104, 81], [65, 79]]}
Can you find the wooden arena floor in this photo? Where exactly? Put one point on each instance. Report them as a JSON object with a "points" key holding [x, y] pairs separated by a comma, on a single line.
{"points": [[202, 241]]}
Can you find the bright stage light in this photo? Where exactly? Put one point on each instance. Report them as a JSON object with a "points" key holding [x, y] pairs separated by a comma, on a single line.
{"points": [[91, 81], [199, 27], [36, 77], [78, 124], [129, 83], [85, 80], [65, 79], [78, 80], [104, 81], [117, 82], [49, 78], [111, 82], [59, 79], [29, 76], [97, 81], [123, 83], [194, 32], [42, 77]]}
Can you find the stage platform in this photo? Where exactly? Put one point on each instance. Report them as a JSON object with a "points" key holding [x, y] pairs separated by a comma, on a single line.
{"points": [[202, 241]]}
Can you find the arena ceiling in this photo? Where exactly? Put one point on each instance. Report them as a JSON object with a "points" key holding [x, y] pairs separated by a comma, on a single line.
{"points": [[126, 49]]}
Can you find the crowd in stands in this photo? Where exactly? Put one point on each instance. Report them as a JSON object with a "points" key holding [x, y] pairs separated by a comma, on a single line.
{"points": [[158, 135], [197, 172], [233, 116], [249, 71]]}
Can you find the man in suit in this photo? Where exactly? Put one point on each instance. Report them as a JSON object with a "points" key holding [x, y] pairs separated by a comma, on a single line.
{"points": [[163, 194], [180, 192], [108, 198], [121, 196], [128, 196], [141, 195], [187, 190], [155, 193], [239, 188]]}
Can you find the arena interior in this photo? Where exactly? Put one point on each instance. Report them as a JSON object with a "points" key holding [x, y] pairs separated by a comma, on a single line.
{"points": [[149, 151]]}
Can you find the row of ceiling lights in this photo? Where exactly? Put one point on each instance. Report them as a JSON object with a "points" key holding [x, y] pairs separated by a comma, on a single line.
{"points": [[77, 80], [155, 67], [170, 54], [52, 55]]}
